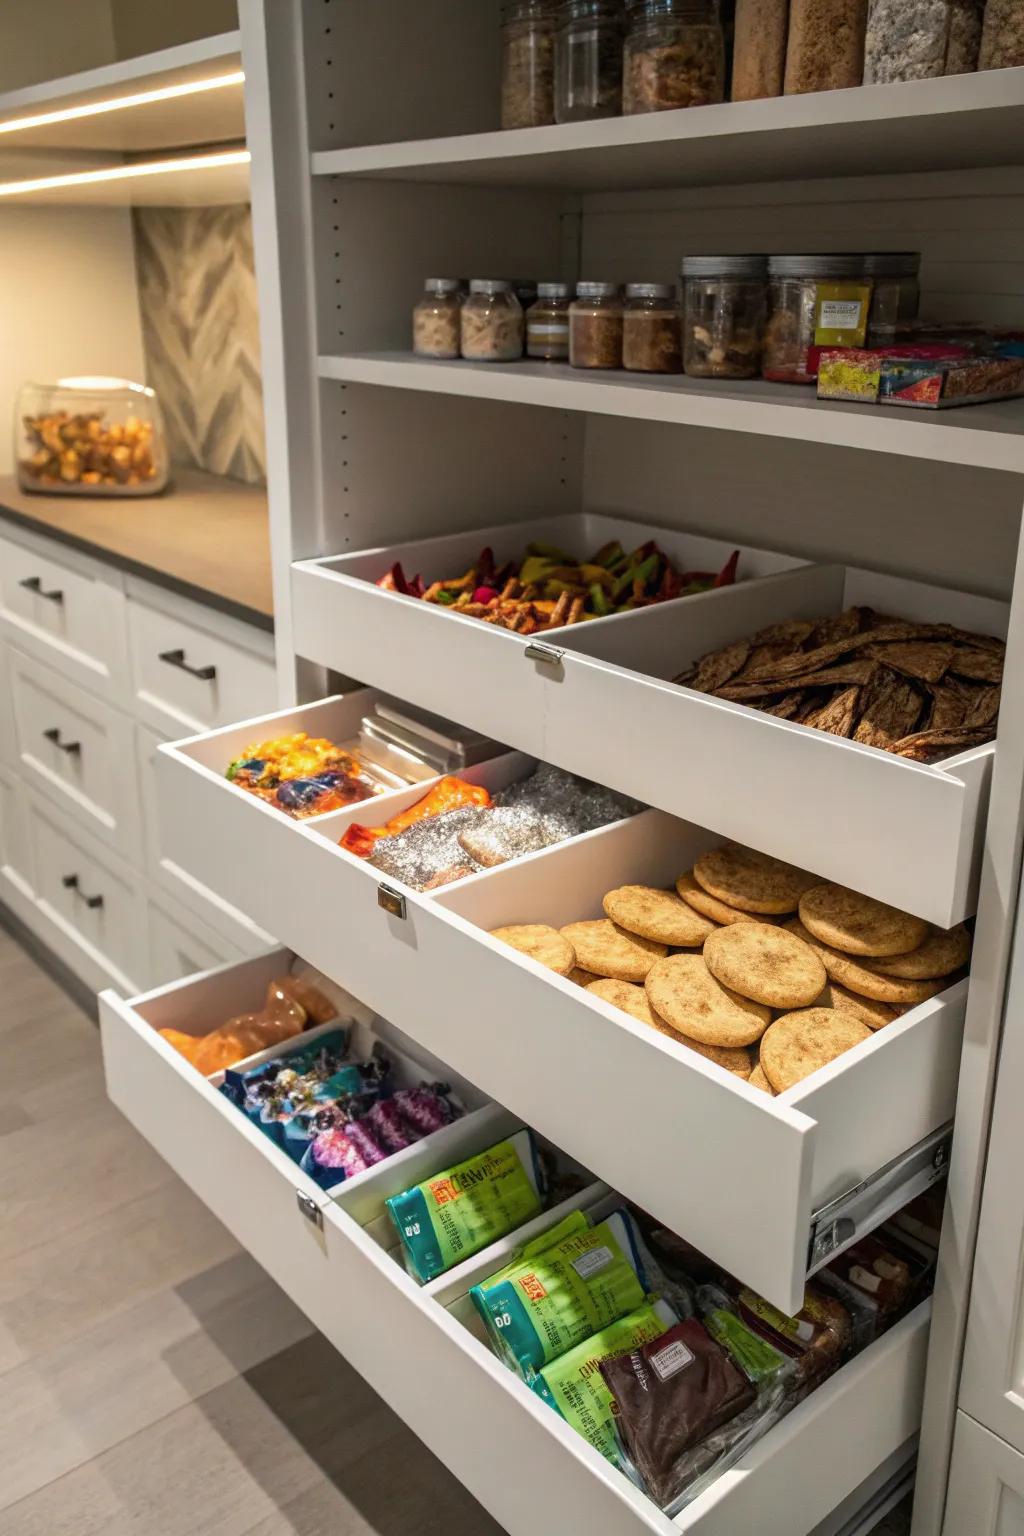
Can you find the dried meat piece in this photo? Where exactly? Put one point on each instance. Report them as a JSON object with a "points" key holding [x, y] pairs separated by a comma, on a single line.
{"points": [[983, 666], [951, 702], [984, 708], [855, 673], [968, 637], [840, 716], [826, 654], [842, 626], [890, 709], [719, 666], [790, 632], [786, 708], [927, 660], [925, 746]]}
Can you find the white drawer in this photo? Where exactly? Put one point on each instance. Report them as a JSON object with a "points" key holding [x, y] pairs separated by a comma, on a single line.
{"points": [[192, 670], [180, 944], [93, 903], [469, 1409], [79, 749], [16, 870], [761, 1174], [70, 612], [8, 738]]}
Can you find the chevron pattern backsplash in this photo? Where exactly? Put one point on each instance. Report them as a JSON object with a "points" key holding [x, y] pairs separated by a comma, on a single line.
{"points": [[197, 292]]}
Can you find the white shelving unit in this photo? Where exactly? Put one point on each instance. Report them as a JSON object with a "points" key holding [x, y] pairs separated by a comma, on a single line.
{"points": [[375, 161]]}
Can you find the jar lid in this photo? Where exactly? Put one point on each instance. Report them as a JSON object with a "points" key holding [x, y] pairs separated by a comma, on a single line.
{"points": [[892, 263], [443, 284], [490, 285], [554, 290], [725, 266], [650, 290], [686, 10], [528, 10], [597, 290], [579, 10], [829, 265]]}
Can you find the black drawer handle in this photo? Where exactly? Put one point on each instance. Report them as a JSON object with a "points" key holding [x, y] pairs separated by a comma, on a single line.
{"points": [[35, 584], [73, 748], [70, 883], [177, 659]]}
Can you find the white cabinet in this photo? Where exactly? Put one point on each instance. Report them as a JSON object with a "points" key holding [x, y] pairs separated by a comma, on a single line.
{"points": [[986, 1485]]}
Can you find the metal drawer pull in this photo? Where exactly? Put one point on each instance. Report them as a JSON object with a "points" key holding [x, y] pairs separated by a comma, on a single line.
{"points": [[35, 584], [74, 748], [70, 883], [177, 659]]}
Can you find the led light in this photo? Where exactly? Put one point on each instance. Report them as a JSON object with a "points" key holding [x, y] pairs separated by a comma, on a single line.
{"points": [[118, 103], [126, 172]]}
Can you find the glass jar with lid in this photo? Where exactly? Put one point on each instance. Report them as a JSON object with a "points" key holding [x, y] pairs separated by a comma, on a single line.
{"points": [[588, 60], [825, 51], [437, 318], [813, 302], [759, 49], [547, 323], [492, 322], [674, 55], [90, 436], [528, 63], [595, 326], [725, 309], [1002, 40], [651, 333], [896, 292]]}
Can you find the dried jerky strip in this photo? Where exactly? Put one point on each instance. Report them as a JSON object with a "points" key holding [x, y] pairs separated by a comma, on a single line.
{"points": [[840, 648], [840, 716], [852, 621], [927, 660], [951, 703], [786, 708], [984, 709], [719, 666], [923, 746], [891, 708], [855, 673], [981, 666]]}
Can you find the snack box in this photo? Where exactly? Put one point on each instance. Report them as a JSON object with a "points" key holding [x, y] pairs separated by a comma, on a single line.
{"points": [[855, 373], [930, 377]]}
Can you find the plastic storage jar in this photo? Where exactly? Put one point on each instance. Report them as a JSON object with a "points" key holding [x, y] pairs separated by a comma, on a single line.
{"points": [[674, 56], [595, 326], [547, 323], [826, 45], [906, 40], [896, 292], [528, 64], [492, 322], [759, 50], [725, 307], [813, 301], [588, 60], [1002, 41], [437, 318], [90, 437], [651, 331]]}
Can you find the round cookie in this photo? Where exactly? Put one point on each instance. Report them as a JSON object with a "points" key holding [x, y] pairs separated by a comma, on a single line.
{"points": [[608, 950], [683, 992], [757, 1079], [850, 973], [581, 977], [659, 915], [541, 942], [633, 1000], [751, 881], [625, 995], [943, 952], [707, 905], [798, 1044], [870, 1012], [859, 925], [766, 964]]}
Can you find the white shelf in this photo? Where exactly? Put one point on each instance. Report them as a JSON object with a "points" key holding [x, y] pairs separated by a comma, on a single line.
{"points": [[983, 436], [962, 122]]}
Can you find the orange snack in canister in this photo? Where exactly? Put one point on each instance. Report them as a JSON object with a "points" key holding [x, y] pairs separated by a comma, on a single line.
{"points": [[448, 794]]}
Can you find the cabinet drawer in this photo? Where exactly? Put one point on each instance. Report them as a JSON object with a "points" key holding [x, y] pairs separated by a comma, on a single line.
{"points": [[70, 614], [15, 844], [180, 944], [80, 749], [468, 1407], [191, 672]]}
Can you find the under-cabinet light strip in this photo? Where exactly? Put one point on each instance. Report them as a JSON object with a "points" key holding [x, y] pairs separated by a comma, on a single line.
{"points": [[125, 172], [119, 103]]}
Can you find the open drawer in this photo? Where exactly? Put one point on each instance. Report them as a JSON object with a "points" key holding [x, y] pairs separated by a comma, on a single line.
{"points": [[597, 698], [413, 1348], [750, 1179]]}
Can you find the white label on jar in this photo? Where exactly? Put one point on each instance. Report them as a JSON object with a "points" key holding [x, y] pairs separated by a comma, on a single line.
{"points": [[671, 1360], [592, 1263], [865, 1280], [840, 315], [534, 329]]}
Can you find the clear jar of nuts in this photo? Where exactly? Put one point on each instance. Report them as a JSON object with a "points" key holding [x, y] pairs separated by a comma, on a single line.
{"points": [[588, 60], [437, 318], [651, 334], [528, 64], [826, 45], [547, 323], [674, 56], [492, 322], [595, 326], [90, 437], [725, 310]]}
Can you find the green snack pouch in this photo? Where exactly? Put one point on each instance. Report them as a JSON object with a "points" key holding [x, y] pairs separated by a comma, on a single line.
{"points": [[557, 1295], [460, 1210], [573, 1384], [757, 1359]]}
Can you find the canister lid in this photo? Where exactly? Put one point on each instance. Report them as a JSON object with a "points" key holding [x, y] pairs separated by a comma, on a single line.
{"points": [[490, 285], [650, 290], [827, 265], [725, 266], [597, 290], [554, 290], [892, 263]]}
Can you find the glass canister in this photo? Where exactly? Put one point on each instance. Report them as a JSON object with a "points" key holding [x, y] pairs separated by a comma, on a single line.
{"points": [[90, 437], [965, 23], [674, 56], [724, 318], [896, 292], [759, 52], [595, 326], [906, 40], [492, 322], [547, 323], [437, 318], [813, 302], [588, 60], [528, 63], [1002, 40], [651, 330], [826, 45]]}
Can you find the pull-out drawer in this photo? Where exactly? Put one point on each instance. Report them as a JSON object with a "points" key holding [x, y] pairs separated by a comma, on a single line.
{"points": [[180, 944], [16, 871], [411, 1344], [752, 1180]]}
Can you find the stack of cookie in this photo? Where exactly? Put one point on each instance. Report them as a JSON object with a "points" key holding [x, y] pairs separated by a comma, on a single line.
{"points": [[754, 964]]}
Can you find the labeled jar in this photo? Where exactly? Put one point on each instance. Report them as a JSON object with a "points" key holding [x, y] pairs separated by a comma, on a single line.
{"points": [[437, 318], [725, 307], [813, 302], [651, 329], [595, 326], [674, 56], [492, 322], [906, 40], [588, 60], [759, 49], [547, 323], [528, 63], [826, 45], [965, 23], [896, 292], [1002, 39]]}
